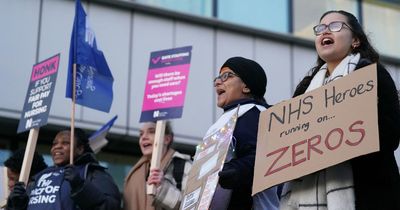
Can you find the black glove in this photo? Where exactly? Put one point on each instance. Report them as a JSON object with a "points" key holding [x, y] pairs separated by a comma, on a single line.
{"points": [[18, 199], [71, 174], [228, 177]]}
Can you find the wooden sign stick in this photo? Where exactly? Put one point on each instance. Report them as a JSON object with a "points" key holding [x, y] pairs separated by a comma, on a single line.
{"points": [[72, 142], [4, 192], [157, 151], [28, 156]]}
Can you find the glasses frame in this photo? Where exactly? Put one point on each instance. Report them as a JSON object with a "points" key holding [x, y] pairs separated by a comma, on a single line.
{"points": [[331, 24], [224, 76]]}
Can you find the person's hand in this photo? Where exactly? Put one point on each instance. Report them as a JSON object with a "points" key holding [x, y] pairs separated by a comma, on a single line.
{"points": [[18, 199], [155, 177], [228, 177], [71, 174]]}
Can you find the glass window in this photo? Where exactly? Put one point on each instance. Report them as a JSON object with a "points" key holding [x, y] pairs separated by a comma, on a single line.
{"points": [[4, 155], [383, 28], [118, 165], [306, 17], [270, 15], [195, 7]]}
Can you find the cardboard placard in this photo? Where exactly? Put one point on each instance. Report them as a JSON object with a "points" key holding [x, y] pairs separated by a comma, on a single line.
{"points": [[208, 161], [166, 83], [318, 129]]}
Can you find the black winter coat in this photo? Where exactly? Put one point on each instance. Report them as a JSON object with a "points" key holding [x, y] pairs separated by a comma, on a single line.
{"points": [[98, 190], [245, 138], [376, 175]]}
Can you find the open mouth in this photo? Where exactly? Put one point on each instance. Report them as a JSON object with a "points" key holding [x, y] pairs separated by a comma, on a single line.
{"points": [[327, 41], [146, 145], [220, 91], [58, 154]]}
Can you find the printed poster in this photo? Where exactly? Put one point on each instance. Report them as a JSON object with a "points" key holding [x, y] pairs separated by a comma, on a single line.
{"points": [[40, 93], [318, 129], [208, 161], [166, 82]]}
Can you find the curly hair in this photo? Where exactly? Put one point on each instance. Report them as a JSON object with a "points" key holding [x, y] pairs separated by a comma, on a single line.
{"points": [[14, 162]]}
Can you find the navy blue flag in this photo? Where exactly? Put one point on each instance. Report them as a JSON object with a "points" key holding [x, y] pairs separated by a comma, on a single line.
{"points": [[94, 80], [98, 139]]}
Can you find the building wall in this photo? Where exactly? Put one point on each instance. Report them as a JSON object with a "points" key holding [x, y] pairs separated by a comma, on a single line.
{"points": [[41, 29]]}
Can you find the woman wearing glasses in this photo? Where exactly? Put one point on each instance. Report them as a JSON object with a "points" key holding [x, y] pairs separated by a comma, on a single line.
{"points": [[367, 182], [241, 82]]}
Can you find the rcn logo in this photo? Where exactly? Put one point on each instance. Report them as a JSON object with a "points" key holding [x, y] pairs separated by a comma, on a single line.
{"points": [[156, 113], [28, 123]]}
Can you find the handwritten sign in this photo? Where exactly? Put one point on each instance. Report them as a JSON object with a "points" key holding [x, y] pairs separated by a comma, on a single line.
{"points": [[40, 93], [166, 83], [208, 161], [318, 129]]}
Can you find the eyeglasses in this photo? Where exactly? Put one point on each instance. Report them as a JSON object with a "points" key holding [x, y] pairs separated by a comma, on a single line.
{"points": [[333, 27], [223, 77]]}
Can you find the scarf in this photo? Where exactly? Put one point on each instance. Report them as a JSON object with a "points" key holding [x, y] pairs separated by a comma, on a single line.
{"points": [[331, 188], [135, 197], [226, 116]]}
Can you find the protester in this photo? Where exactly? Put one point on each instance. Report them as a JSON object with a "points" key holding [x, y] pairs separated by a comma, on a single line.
{"points": [[14, 165], [241, 82], [370, 181], [170, 179], [84, 185]]}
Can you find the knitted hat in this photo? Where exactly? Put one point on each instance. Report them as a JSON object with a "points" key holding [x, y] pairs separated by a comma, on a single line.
{"points": [[251, 73]]}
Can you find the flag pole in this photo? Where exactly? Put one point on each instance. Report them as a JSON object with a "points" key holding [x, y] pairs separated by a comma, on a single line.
{"points": [[74, 61], [71, 154]]}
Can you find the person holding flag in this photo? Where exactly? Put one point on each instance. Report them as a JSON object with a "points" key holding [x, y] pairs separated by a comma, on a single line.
{"points": [[85, 185]]}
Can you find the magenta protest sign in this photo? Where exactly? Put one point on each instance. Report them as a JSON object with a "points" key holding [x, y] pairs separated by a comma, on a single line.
{"points": [[40, 93], [166, 82]]}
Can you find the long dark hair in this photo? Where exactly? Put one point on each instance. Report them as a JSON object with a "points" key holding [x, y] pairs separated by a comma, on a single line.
{"points": [[14, 162], [365, 49]]}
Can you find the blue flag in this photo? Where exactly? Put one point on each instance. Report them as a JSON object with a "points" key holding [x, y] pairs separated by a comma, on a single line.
{"points": [[94, 80], [98, 139]]}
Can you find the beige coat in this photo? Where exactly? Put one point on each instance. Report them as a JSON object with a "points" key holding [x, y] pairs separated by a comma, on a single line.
{"points": [[167, 196]]}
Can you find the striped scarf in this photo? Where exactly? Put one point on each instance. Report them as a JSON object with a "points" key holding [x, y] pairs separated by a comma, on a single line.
{"points": [[331, 188]]}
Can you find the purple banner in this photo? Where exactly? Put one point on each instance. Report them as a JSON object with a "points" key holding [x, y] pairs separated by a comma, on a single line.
{"points": [[166, 84]]}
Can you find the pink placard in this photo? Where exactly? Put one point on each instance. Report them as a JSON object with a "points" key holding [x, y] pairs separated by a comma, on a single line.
{"points": [[165, 87]]}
